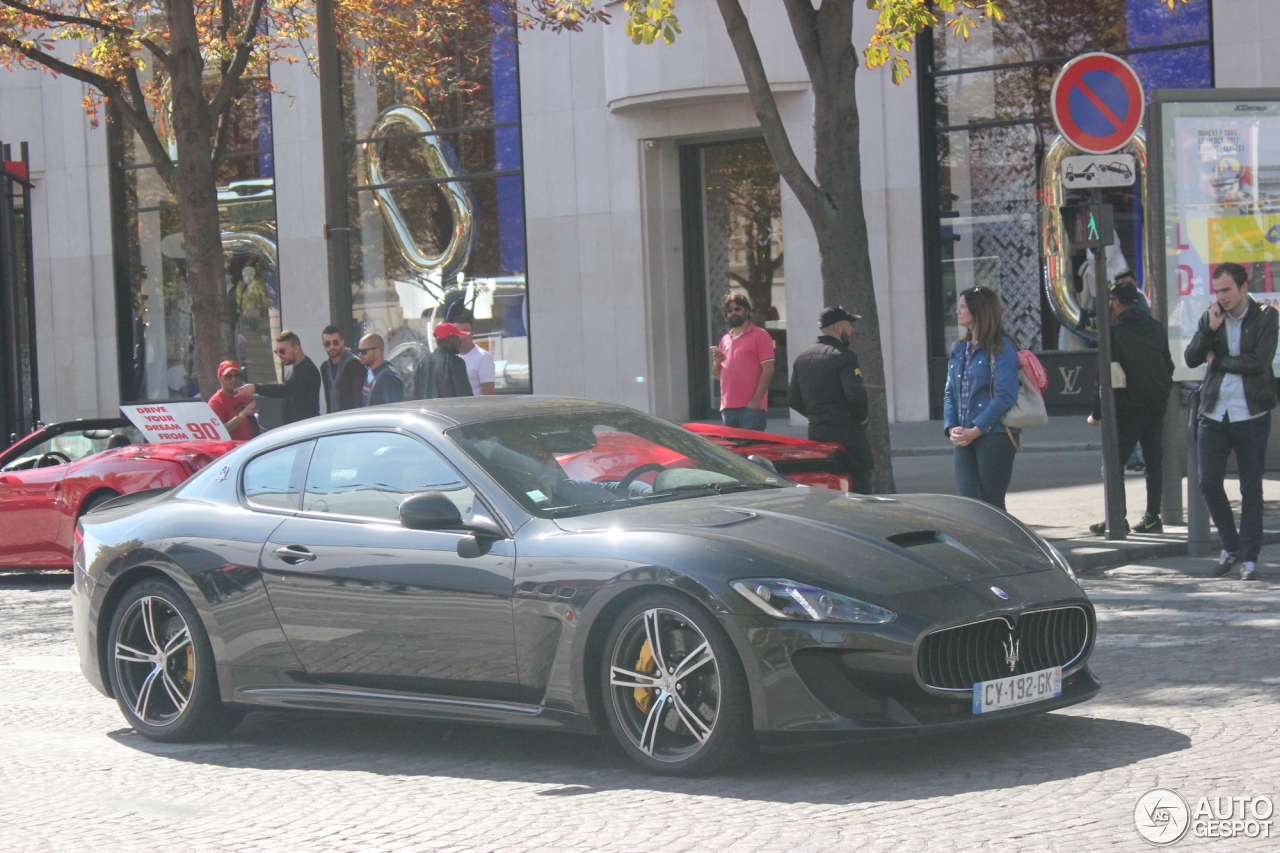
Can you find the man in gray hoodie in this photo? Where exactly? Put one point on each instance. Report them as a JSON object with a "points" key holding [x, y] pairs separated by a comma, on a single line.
{"points": [[341, 373]]}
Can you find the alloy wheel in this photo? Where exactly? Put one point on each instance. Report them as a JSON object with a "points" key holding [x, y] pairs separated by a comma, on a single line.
{"points": [[155, 661], [665, 685]]}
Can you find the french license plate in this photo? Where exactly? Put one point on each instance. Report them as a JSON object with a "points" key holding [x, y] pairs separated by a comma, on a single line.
{"points": [[1017, 690]]}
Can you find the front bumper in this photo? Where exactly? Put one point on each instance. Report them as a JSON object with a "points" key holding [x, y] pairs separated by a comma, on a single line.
{"points": [[822, 682]]}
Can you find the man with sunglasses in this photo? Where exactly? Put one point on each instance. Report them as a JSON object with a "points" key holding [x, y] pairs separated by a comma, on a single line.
{"points": [[237, 412], [382, 382], [301, 387], [743, 362]]}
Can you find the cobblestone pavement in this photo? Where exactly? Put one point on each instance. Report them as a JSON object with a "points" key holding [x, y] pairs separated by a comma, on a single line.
{"points": [[1191, 702]]}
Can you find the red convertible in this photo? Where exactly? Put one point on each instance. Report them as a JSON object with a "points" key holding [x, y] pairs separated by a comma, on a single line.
{"points": [[58, 473]]}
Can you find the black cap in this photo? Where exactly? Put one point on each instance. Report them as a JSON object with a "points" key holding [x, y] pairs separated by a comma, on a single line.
{"points": [[1125, 291], [831, 316]]}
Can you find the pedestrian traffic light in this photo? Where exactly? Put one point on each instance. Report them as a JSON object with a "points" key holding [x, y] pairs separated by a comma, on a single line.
{"points": [[1089, 226]]}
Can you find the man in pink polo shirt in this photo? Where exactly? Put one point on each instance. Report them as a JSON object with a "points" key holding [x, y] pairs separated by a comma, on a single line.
{"points": [[743, 362]]}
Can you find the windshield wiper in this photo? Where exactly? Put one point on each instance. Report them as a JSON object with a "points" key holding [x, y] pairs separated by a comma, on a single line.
{"points": [[699, 489]]}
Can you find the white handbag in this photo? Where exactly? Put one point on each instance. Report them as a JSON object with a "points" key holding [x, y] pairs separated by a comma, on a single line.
{"points": [[1028, 410]]}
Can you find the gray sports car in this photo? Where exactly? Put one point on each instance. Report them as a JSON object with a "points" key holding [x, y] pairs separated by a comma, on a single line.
{"points": [[559, 563]]}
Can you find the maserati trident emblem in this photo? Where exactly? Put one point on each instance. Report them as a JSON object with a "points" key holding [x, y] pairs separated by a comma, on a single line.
{"points": [[1000, 592], [1011, 652]]}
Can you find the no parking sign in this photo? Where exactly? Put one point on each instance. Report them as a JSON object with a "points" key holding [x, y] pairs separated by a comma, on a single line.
{"points": [[1097, 102]]}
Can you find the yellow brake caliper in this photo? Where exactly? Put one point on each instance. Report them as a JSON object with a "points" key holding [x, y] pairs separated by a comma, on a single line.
{"points": [[644, 695]]}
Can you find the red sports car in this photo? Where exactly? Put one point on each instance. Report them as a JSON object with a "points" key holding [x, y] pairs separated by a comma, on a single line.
{"points": [[58, 473], [813, 463], [615, 455]]}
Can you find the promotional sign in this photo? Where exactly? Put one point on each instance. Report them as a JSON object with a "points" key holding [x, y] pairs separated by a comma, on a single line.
{"points": [[164, 423], [1221, 178], [1086, 171], [1097, 102]]}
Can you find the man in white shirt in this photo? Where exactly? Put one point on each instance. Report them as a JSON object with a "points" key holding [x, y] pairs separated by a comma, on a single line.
{"points": [[480, 371], [1236, 338]]}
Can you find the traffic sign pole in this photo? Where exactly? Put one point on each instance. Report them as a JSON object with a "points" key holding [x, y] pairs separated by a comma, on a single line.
{"points": [[1112, 464]]}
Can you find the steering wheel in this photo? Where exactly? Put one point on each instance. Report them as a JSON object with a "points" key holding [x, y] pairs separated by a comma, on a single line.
{"points": [[51, 458], [625, 483]]}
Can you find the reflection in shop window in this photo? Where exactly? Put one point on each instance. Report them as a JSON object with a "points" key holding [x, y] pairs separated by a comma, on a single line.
{"points": [[437, 209], [162, 362]]}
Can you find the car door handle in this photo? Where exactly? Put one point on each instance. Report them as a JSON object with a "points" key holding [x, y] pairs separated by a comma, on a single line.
{"points": [[294, 554]]}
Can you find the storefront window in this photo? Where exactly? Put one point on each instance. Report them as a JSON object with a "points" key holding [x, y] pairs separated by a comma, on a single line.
{"points": [[436, 206], [158, 343], [985, 128]]}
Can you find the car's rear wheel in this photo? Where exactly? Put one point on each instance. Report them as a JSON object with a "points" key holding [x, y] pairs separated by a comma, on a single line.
{"points": [[161, 666], [96, 500], [675, 693]]}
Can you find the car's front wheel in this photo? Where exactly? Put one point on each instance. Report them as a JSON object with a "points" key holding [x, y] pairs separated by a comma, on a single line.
{"points": [[675, 693], [161, 666]]}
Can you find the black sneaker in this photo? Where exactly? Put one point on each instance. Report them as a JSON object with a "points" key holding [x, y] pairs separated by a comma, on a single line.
{"points": [[1226, 562], [1150, 524], [1100, 528]]}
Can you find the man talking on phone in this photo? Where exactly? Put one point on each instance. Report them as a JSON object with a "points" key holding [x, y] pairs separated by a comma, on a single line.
{"points": [[1236, 338]]}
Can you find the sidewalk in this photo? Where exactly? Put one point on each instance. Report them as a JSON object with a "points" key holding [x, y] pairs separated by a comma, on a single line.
{"points": [[1056, 489]]}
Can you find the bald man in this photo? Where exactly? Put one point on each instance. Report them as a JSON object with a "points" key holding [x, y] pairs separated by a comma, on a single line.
{"points": [[382, 384]]}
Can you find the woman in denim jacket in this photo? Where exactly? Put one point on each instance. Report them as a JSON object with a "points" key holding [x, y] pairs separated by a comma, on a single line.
{"points": [[976, 400]]}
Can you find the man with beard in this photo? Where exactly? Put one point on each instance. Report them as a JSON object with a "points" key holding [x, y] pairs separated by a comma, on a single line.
{"points": [[827, 388], [743, 362], [443, 373]]}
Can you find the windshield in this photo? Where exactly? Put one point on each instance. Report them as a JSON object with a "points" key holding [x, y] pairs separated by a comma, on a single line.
{"points": [[74, 446], [583, 462]]}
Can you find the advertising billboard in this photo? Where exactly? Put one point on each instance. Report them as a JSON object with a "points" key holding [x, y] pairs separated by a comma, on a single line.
{"points": [[1220, 181]]}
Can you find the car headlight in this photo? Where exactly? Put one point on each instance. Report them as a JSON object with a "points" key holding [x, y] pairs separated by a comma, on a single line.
{"points": [[1059, 560], [800, 602]]}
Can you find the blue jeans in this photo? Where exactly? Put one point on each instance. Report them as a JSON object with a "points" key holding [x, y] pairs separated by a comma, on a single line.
{"points": [[985, 466], [1249, 441], [744, 418]]}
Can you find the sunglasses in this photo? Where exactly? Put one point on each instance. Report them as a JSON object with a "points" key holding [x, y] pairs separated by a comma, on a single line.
{"points": [[364, 350], [233, 374]]}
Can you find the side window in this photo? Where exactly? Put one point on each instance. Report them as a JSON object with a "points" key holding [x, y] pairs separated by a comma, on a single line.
{"points": [[274, 480], [368, 474]]}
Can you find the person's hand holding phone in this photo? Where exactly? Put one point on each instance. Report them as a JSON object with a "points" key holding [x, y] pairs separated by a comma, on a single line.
{"points": [[717, 356], [1215, 315]]}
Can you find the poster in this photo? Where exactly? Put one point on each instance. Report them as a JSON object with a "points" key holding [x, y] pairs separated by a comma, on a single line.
{"points": [[164, 423], [1222, 203]]}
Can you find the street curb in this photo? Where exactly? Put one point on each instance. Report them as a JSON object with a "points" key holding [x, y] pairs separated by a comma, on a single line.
{"points": [[1091, 556], [1076, 447]]}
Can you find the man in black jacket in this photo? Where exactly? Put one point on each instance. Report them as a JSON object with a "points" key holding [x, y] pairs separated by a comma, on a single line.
{"points": [[301, 388], [826, 387], [1140, 345], [443, 373], [341, 373], [1236, 338]]}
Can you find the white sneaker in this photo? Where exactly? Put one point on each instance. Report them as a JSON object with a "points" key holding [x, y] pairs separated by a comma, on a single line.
{"points": [[1248, 571]]}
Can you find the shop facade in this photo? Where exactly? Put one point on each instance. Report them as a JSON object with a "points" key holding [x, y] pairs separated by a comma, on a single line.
{"points": [[590, 202]]}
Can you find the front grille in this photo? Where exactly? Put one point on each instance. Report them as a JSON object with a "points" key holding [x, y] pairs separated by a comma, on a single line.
{"points": [[957, 658]]}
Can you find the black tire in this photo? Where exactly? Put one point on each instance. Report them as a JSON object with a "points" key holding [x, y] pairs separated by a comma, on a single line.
{"points": [[678, 726], [95, 501], [166, 687]]}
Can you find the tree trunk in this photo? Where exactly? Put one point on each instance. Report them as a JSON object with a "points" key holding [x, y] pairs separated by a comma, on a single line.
{"points": [[832, 198], [195, 188], [844, 246]]}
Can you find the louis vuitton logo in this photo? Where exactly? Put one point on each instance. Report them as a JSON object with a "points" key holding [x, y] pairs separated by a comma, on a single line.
{"points": [[1069, 378]]}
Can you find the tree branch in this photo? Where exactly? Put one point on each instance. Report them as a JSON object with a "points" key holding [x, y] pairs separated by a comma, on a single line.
{"points": [[141, 122], [58, 18], [161, 55], [244, 49], [766, 108]]}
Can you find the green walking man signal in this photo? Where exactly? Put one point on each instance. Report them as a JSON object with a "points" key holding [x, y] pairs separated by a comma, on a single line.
{"points": [[1089, 226]]}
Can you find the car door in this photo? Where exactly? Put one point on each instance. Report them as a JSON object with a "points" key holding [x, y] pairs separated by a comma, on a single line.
{"points": [[366, 602], [31, 509]]}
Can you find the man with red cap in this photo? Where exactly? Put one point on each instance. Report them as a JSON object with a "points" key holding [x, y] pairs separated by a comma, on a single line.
{"points": [[443, 373], [237, 413]]}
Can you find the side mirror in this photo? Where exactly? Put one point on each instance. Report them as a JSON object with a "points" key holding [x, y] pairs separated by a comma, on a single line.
{"points": [[757, 459], [430, 511]]}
